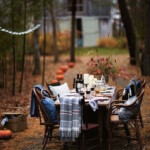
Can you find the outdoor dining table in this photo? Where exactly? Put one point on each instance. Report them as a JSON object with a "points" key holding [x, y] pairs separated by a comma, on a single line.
{"points": [[104, 99]]}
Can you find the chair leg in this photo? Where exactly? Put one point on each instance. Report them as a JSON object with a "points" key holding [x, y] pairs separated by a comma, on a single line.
{"points": [[138, 134], [45, 132], [127, 132], [46, 137], [65, 147], [50, 135], [141, 120], [83, 141], [109, 137]]}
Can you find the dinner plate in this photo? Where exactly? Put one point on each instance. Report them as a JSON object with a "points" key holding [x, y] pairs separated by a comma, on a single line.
{"points": [[71, 94]]}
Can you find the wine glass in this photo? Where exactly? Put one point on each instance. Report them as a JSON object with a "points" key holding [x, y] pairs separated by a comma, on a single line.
{"points": [[88, 96]]}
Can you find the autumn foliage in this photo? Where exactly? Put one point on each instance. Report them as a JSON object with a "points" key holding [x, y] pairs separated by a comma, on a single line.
{"points": [[102, 66], [109, 42], [63, 41]]}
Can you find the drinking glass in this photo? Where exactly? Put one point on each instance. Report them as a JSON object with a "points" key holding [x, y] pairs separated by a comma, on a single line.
{"points": [[92, 92], [88, 96], [96, 89]]}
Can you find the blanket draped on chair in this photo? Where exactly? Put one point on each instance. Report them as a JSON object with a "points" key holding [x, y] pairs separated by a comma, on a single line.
{"points": [[34, 112], [70, 118]]}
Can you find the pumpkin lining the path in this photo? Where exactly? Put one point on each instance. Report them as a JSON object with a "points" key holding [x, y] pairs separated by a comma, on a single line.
{"points": [[59, 72], [70, 64], [64, 68], [60, 77], [5, 134], [54, 81]]}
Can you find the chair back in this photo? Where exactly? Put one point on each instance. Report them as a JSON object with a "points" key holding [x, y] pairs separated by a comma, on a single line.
{"points": [[140, 97], [54, 84], [39, 95], [143, 83]]}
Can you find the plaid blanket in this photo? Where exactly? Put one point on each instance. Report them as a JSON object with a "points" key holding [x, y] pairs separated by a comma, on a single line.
{"points": [[70, 118]]}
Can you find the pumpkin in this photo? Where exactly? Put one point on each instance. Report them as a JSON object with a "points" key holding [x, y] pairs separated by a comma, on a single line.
{"points": [[5, 134], [60, 77], [59, 71], [54, 81], [70, 64], [64, 68]]}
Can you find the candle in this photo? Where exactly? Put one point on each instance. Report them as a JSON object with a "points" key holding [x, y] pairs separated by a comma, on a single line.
{"points": [[86, 78]]}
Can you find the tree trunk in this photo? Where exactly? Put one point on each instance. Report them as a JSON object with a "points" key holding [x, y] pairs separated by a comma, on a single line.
{"points": [[36, 47], [55, 48], [14, 52], [72, 52], [37, 66], [146, 54], [24, 48], [44, 47], [130, 34]]}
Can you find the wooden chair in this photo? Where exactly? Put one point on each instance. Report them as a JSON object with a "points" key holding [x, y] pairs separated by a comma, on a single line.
{"points": [[119, 95], [89, 138], [114, 120], [44, 118], [90, 132]]}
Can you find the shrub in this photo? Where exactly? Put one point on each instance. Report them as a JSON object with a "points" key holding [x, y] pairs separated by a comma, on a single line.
{"points": [[63, 41], [122, 42], [49, 42], [107, 42]]}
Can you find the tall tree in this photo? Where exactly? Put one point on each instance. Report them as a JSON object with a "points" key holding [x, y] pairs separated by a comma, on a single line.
{"points": [[14, 52], [72, 50], [44, 47], [131, 38], [139, 23], [53, 19], [24, 47], [36, 14], [146, 54]]}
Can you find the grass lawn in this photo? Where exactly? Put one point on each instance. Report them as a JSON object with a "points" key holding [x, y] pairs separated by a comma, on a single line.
{"points": [[88, 51], [101, 51]]}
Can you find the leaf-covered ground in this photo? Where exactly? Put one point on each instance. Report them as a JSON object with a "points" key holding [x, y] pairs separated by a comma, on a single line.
{"points": [[31, 138]]}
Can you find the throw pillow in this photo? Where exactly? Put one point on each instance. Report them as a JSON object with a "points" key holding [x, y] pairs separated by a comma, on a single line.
{"points": [[60, 90]]}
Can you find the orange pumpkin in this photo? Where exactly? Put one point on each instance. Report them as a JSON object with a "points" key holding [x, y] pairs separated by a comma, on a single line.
{"points": [[64, 68], [59, 71], [54, 81], [60, 77], [70, 64], [5, 134]]}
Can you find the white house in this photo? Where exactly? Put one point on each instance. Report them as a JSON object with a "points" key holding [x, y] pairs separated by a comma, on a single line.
{"points": [[93, 20]]}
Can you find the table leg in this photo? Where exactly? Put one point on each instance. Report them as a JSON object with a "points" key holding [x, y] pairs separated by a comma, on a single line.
{"points": [[102, 120]]}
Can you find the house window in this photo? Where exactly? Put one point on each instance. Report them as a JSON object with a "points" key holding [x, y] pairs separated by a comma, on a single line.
{"points": [[79, 5]]}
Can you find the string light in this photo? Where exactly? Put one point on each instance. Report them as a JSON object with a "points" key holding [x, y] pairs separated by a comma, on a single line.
{"points": [[20, 33]]}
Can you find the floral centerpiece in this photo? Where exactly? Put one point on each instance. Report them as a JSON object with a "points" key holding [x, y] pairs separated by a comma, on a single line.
{"points": [[102, 66]]}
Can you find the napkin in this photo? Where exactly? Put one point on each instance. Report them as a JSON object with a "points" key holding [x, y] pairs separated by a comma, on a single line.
{"points": [[94, 104]]}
